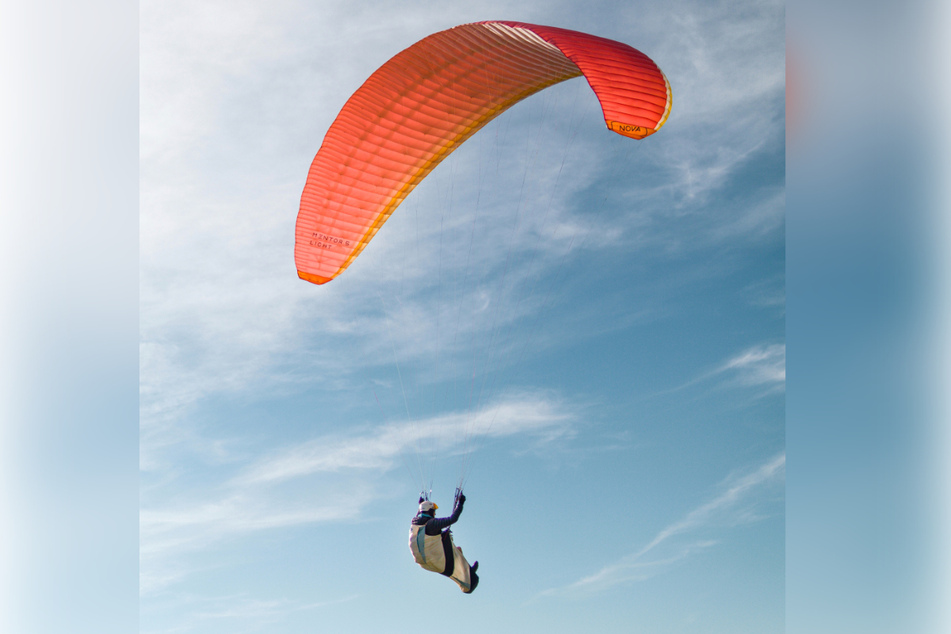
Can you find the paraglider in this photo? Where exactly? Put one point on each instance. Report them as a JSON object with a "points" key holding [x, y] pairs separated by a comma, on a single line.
{"points": [[412, 113], [427, 100], [430, 541]]}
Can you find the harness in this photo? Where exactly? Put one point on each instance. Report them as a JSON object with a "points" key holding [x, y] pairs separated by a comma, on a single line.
{"points": [[446, 539]]}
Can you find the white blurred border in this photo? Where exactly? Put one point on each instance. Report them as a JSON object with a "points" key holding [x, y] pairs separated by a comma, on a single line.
{"points": [[939, 63], [68, 316], [869, 484]]}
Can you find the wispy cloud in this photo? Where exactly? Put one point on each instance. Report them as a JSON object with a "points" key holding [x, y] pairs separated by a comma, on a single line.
{"points": [[762, 366], [735, 504], [769, 294], [244, 613], [380, 449], [262, 496], [170, 536], [240, 608]]}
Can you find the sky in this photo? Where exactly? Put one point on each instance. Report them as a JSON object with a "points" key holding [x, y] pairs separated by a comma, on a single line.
{"points": [[602, 319], [126, 137]]}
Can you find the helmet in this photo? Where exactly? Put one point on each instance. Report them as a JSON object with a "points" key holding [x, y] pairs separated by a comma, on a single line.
{"points": [[427, 507]]}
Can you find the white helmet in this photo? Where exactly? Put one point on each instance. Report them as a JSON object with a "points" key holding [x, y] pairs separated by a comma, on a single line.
{"points": [[427, 507]]}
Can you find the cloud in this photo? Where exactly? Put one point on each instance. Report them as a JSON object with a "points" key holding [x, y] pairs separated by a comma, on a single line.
{"points": [[264, 494], [242, 609], [760, 365], [243, 612], [380, 448], [730, 507], [170, 537]]}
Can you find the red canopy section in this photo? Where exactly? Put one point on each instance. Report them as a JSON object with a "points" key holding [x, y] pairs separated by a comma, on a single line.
{"points": [[427, 100]]}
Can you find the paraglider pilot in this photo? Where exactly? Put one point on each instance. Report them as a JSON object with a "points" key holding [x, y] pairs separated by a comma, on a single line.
{"points": [[430, 540]]}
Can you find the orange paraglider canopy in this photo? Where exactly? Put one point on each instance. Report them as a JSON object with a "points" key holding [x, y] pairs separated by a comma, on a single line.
{"points": [[427, 100]]}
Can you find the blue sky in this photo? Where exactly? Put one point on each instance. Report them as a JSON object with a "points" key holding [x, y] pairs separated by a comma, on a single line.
{"points": [[624, 310]]}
